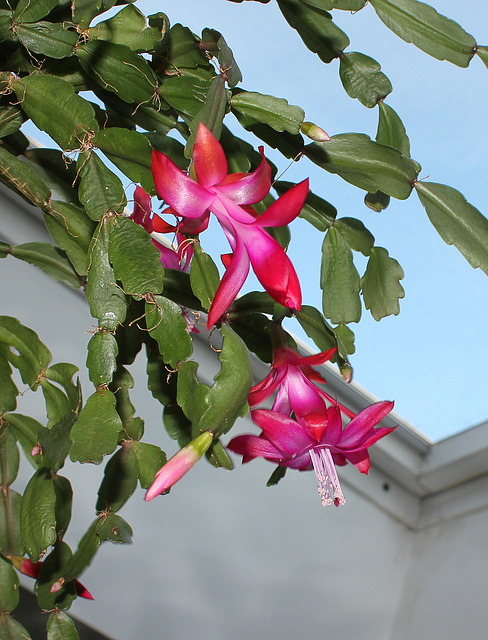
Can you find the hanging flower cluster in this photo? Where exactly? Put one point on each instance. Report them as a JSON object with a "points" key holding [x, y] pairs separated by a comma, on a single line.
{"points": [[304, 428]]}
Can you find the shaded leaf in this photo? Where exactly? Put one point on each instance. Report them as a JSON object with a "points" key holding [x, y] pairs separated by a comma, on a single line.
{"points": [[96, 432], [26, 430], [9, 587], [28, 11], [211, 113], [318, 212], [130, 151], [356, 234], [52, 569], [101, 191], [11, 119], [316, 29], [227, 63], [135, 259], [51, 260], [119, 480], [149, 460], [37, 514], [71, 230], [10, 629], [8, 390], [87, 547], [377, 201], [61, 627], [116, 68], [23, 179], [107, 302], [204, 276], [23, 349], [11, 542], [115, 529], [55, 108], [168, 327], [102, 358], [9, 457], [55, 442], [227, 398]]}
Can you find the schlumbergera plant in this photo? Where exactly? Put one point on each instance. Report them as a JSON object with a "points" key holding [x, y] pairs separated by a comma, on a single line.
{"points": [[141, 159]]}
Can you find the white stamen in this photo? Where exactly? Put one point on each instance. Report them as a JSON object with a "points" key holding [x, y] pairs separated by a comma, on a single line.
{"points": [[327, 478]]}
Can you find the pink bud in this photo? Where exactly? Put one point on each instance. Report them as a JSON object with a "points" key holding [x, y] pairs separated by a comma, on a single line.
{"points": [[36, 450], [179, 465], [314, 132]]}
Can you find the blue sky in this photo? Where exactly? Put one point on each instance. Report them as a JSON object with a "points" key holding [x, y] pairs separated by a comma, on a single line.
{"points": [[432, 359]]}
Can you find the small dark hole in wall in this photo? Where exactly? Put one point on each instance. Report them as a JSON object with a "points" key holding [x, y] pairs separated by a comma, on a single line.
{"points": [[386, 486]]}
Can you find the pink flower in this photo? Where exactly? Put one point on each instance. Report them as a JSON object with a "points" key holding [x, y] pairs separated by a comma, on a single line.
{"points": [[294, 378], [315, 441], [229, 198], [179, 465]]}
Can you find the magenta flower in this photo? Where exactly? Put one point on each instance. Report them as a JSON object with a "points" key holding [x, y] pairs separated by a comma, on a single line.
{"points": [[315, 441], [229, 198], [294, 378], [179, 465]]}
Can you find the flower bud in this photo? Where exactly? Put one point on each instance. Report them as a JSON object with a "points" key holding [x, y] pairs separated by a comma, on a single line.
{"points": [[314, 132], [179, 465]]}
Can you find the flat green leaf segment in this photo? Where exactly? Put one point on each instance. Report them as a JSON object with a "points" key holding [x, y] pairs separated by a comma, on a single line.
{"points": [[339, 280], [428, 30], [380, 284], [96, 432], [37, 515], [316, 28], [365, 164], [21, 347], [55, 108], [456, 221], [363, 79], [276, 112]]}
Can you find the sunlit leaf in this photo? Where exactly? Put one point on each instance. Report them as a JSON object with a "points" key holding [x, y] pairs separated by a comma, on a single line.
{"points": [[428, 30], [380, 284], [339, 280], [456, 221], [363, 79]]}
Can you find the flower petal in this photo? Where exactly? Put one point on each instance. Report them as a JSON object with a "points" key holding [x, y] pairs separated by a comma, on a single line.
{"points": [[252, 188], [142, 209], [230, 285], [359, 433], [183, 194], [285, 434], [286, 208], [272, 267], [250, 447], [208, 157]]}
